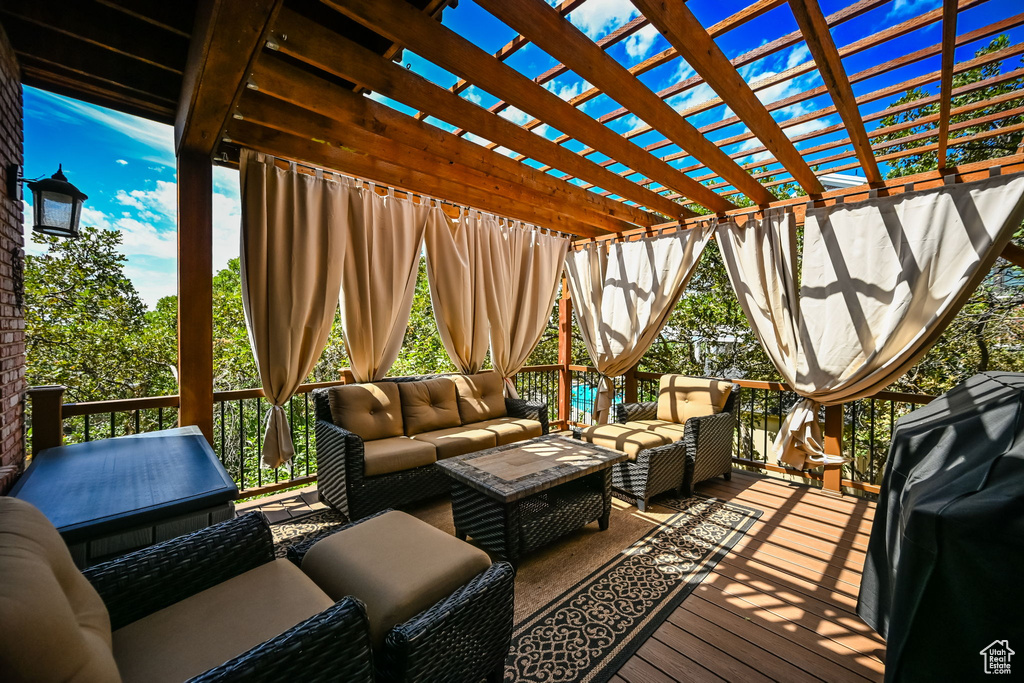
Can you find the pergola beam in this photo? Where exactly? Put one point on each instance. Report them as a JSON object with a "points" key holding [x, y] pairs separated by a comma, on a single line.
{"points": [[370, 166], [949, 16], [681, 28], [291, 84], [329, 52], [530, 204], [563, 41], [451, 51], [830, 65], [227, 38]]}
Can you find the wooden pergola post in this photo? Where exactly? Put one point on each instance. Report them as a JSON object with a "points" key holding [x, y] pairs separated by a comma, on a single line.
{"points": [[833, 474], [564, 356], [195, 291]]}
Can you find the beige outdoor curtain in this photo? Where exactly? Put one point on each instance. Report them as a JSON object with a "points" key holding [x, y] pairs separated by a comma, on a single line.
{"points": [[382, 238], [526, 263], [291, 262], [881, 281], [623, 294], [459, 265]]}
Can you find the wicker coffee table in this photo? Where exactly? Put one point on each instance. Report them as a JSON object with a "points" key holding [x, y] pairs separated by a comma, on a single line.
{"points": [[515, 498]]}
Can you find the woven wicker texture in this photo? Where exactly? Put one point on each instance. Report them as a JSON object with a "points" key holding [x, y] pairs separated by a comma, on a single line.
{"points": [[705, 451], [145, 581], [463, 637], [340, 463], [333, 645]]}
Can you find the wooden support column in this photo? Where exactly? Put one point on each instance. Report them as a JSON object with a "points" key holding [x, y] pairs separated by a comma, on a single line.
{"points": [[833, 474], [630, 385], [47, 417], [195, 291], [564, 355]]}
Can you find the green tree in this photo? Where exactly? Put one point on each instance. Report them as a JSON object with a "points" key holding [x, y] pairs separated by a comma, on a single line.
{"points": [[85, 323]]}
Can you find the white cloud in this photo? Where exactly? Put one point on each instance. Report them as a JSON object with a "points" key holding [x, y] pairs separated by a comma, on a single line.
{"points": [[904, 8], [596, 17], [516, 116], [122, 162], [157, 136], [163, 201], [567, 91], [639, 44]]}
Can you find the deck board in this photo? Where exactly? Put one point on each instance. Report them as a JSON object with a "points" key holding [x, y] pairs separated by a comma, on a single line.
{"points": [[780, 606]]}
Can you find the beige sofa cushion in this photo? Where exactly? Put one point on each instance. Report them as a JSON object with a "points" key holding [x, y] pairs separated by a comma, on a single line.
{"points": [[395, 454], [458, 440], [218, 624], [371, 411], [428, 405], [510, 429], [673, 431], [396, 564], [55, 625], [620, 437], [681, 397], [481, 396]]}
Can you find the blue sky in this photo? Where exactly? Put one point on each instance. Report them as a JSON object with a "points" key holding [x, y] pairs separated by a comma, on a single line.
{"points": [[126, 164]]}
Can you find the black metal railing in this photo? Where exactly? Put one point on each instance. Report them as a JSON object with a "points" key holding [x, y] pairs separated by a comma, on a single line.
{"points": [[539, 383], [584, 383]]}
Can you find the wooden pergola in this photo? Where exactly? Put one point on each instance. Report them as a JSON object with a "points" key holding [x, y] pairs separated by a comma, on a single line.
{"points": [[290, 78]]}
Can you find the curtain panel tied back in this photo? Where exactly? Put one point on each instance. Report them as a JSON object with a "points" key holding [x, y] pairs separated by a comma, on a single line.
{"points": [[291, 256], [623, 293], [881, 281]]}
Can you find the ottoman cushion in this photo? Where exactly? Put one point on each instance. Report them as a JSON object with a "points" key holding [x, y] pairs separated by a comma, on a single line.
{"points": [[396, 564], [623, 438]]}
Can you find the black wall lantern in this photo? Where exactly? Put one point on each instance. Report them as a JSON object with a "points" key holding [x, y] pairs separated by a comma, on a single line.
{"points": [[56, 204]]}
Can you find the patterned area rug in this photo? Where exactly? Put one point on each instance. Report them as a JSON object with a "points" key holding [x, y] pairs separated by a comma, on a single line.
{"points": [[587, 603]]}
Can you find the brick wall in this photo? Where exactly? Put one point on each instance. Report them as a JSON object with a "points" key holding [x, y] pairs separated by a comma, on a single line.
{"points": [[12, 322]]}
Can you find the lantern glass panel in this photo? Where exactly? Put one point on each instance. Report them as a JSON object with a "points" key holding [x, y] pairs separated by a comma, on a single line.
{"points": [[54, 212]]}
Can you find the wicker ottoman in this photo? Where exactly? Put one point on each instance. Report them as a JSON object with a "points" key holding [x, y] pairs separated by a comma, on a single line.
{"points": [[437, 608]]}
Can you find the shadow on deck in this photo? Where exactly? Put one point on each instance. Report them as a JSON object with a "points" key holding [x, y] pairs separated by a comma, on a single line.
{"points": [[779, 607]]}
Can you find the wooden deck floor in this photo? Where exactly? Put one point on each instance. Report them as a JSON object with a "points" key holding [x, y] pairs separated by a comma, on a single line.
{"points": [[779, 607]]}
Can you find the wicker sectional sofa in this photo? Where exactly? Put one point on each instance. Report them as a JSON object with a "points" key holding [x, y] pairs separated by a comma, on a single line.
{"points": [[377, 442]]}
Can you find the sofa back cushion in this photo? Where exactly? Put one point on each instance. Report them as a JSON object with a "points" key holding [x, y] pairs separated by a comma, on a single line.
{"points": [[371, 411], [481, 396], [681, 397], [428, 405], [56, 627]]}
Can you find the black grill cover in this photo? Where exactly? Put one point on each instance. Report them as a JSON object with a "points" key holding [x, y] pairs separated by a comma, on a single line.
{"points": [[944, 575]]}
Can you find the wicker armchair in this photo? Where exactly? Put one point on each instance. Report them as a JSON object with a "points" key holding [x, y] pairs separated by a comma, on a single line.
{"points": [[340, 464], [705, 451], [334, 644], [463, 637]]}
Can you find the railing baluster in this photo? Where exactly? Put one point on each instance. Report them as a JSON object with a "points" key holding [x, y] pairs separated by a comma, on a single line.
{"points": [[160, 418], [306, 397], [853, 431], [138, 422], [241, 446], [764, 421], [87, 428], [871, 441], [223, 452], [112, 425]]}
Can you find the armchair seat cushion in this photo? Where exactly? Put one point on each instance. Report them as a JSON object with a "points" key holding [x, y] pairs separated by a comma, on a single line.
{"points": [[396, 564], [458, 440], [673, 431], [510, 429], [398, 453], [217, 624], [622, 437]]}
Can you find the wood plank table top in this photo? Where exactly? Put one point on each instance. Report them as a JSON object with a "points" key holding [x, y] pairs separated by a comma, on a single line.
{"points": [[515, 471]]}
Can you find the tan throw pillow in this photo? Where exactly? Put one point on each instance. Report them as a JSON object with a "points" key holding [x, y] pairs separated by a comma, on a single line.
{"points": [[58, 628], [428, 405], [481, 396], [681, 397], [371, 411]]}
